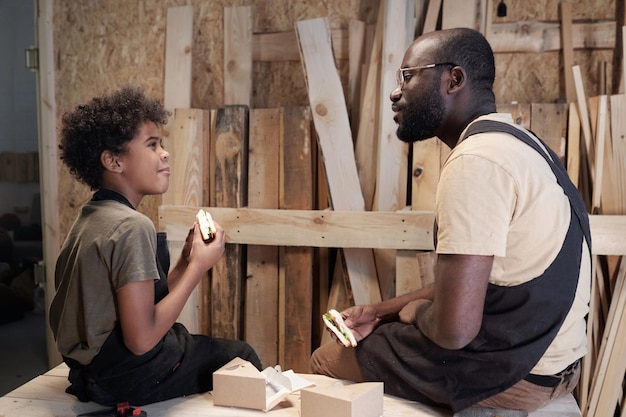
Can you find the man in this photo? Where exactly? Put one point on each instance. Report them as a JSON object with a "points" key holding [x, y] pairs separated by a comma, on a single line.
{"points": [[504, 324]]}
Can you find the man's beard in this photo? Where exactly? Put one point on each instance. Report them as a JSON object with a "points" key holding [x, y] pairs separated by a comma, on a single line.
{"points": [[420, 120]]}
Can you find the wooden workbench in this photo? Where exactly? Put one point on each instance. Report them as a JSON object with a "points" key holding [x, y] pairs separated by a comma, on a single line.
{"points": [[45, 396]]}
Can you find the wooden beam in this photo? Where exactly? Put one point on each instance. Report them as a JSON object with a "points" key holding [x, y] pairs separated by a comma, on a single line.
{"points": [[567, 45], [317, 228], [533, 36], [238, 55], [350, 229]]}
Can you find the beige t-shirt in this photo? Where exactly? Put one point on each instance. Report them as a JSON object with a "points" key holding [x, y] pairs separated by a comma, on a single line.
{"points": [[109, 246], [497, 196]]}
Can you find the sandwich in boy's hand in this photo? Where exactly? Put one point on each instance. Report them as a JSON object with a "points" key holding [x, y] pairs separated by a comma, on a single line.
{"points": [[207, 227], [333, 320]]}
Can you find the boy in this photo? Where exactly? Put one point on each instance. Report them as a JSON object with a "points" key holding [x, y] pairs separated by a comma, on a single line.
{"points": [[113, 316]]}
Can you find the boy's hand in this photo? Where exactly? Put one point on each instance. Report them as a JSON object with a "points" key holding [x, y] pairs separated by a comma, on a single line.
{"points": [[207, 254]]}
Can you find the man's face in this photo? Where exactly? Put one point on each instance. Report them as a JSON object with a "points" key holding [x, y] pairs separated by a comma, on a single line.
{"points": [[417, 102], [420, 114]]}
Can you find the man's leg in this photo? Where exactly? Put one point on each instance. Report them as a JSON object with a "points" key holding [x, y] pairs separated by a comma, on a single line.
{"points": [[336, 361]]}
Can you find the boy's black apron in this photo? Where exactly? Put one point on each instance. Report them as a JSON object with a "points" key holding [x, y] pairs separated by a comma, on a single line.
{"points": [[180, 364], [519, 323]]}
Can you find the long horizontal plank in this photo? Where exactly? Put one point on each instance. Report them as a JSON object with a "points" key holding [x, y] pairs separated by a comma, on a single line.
{"points": [[532, 36], [314, 228], [403, 229], [523, 36]]}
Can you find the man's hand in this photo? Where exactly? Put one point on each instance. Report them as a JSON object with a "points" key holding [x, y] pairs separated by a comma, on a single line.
{"points": [[362, 320]]}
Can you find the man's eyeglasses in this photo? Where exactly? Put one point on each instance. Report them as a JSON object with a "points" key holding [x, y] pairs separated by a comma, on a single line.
{"points": [[403, 73]]}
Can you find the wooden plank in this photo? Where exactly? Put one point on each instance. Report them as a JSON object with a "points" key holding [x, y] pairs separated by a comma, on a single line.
{"points": [[520, 112], [296, 261], [334, 135], [601, 127], [573, 144], [533, 36], [617, 175], [392, 166], [48, 159], [432, 16], [549, 122], [327, 228], [355, 70], [583, 114], [283, 46], [238, 55], [366, 146], [190, 132], [567, 45], [261, 304], [178, 41], [607, 383], [230, 190], [456, 14], [350, 229]]}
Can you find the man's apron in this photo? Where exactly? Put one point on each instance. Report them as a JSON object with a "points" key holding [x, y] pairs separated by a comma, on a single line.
{"points": [[519, 323]]}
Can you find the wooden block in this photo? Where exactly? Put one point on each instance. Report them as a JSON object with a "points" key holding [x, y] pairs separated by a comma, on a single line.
{"points": [[261, 304], [238, 55], [230, 190], [296, 262]]}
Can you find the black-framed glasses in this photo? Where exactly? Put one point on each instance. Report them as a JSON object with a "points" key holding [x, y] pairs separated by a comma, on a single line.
{"points": [[401, 74]]}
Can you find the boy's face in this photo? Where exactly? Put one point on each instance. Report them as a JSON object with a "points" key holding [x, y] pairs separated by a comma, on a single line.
{"points": [[146, 164]]}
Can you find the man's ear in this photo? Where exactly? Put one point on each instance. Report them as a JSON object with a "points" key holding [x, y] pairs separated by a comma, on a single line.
{"points": [[457, 79], [110, 161]]}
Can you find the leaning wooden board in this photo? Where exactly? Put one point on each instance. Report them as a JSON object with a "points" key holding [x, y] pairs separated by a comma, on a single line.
{"points": [[45, 396], [335, 138]]}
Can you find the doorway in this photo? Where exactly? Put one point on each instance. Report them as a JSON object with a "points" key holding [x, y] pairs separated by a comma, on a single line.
{"points": [[23, 353]]}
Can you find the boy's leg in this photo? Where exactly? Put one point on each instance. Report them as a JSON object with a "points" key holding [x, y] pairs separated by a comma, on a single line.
{"points": [[336, 361]]}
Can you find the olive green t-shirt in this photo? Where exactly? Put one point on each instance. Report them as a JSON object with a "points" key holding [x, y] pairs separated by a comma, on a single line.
{"points": [[108, 246]]}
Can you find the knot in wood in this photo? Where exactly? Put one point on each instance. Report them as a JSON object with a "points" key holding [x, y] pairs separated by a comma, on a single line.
{"points": [[418, 172], [318, 220], [321, 110]]}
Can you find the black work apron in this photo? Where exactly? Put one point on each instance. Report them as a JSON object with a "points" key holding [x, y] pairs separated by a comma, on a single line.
{"points": [[519, 323]]}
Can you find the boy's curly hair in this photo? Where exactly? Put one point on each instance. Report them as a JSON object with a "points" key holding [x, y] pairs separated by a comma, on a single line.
{"points": [[106, 123]]}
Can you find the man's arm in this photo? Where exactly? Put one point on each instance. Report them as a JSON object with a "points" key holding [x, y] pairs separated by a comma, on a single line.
{"points": [[454, 316]]}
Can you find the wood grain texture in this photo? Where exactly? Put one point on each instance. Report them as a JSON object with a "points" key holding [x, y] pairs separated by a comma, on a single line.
{"points": [[230, 190], [261, 303], [238, 55]]}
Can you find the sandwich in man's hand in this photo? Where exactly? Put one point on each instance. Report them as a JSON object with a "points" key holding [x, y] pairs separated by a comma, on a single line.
{"points": [[333, 320], [207, 227]]}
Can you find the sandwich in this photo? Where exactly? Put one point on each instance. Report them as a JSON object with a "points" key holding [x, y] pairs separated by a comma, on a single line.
{"points": [[333, 320], [207, 227]]}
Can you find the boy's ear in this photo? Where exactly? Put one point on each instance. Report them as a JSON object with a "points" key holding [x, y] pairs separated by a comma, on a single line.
{"points": [[110, 161]]}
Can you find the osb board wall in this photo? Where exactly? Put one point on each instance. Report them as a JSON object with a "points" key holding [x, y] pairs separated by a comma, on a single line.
{"points": [[538, 77], [101, 45]]}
